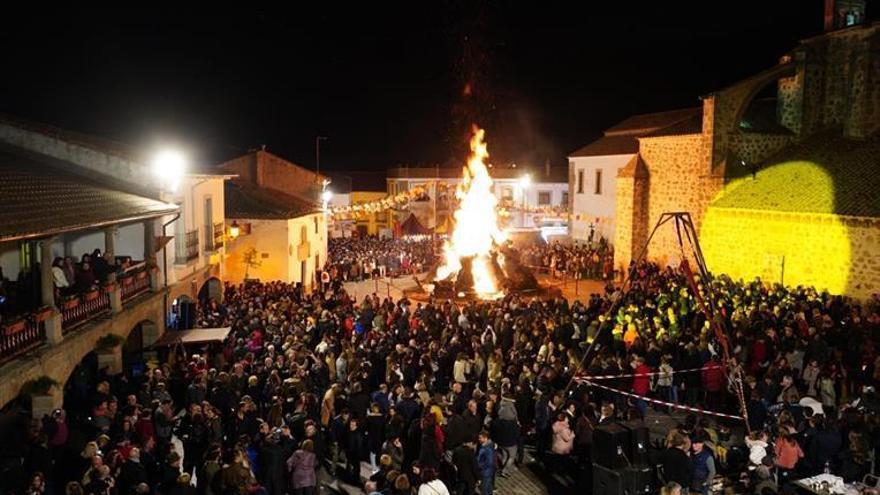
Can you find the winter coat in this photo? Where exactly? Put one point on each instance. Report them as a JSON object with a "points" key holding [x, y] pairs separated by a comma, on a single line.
{"points": [[486, 460], [302, 469], [563, 438]]}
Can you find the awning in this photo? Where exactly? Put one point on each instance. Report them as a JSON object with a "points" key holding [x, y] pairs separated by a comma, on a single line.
{"points": [[193, 336], [412, 226]]}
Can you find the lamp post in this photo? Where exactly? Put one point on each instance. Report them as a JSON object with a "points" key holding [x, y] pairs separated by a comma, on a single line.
{"points": [[318, 140]]}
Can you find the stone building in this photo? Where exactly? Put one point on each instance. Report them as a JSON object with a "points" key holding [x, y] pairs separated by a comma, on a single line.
{"points": [[282, 231], [66, 194], [779, 172]]}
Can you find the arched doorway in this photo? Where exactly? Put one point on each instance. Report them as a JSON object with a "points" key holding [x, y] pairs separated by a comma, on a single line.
{"points": [[212, 289], [183, 313]]}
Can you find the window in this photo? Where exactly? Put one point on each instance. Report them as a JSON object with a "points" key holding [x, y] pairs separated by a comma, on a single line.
{"points": [[316, 224], [543, 198], [598, 189], [303, 234], [581, 181], [565, 198]]}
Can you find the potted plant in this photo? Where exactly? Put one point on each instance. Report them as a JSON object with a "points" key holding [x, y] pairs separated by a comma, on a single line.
{"points": [[109, 341], [90, 295], [44, 392], [14, 326], [43, 314], [70, 303], [109, 350]]}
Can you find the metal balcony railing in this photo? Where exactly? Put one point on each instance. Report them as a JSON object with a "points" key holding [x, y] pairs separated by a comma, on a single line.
{"points": [[187, 247], [22, 335], [78, 310], [134, 282], [214, 237]]}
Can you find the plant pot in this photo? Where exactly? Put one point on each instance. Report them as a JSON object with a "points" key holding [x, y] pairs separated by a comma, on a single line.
{"points": [[91, 295], [44, 404], [111, 359], [42, 314], [70, 303], [14, 327]]}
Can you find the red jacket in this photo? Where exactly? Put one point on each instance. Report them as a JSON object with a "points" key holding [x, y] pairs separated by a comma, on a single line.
{"points": [[713, 377], [642, 384]]}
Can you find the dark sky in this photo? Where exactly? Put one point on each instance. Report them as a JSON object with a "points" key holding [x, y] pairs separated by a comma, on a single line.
{"points": [[384, 81]]}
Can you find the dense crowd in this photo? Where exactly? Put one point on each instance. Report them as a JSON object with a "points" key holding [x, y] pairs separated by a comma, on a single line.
{"points": [[403, 398], [583, 260], [360, 258]]}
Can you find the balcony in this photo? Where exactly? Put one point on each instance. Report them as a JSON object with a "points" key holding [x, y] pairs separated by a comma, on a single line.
{"points": [[214, 237], [23, 335], [78, 310], [134, 282], [187, 247]]}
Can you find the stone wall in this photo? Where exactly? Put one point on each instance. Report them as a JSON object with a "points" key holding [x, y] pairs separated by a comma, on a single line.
{"points": [[754, 148], [58, 361], [840, 254], [679, 181]]}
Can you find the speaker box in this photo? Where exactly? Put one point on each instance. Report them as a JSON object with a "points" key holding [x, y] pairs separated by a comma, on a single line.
{"points": [[637, 480], [638, 442], [611, 446], [606, 481]]}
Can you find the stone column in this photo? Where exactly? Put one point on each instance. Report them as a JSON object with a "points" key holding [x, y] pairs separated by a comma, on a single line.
{"points": [[110, 250], [47, 284], [151, 254]]}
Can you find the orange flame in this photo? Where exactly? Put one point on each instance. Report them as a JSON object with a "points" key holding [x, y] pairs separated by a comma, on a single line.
{"points": [[476, 223]]}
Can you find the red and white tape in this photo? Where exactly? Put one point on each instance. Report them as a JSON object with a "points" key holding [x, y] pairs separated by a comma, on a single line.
{"points": [[660, 402], [655, 373]]}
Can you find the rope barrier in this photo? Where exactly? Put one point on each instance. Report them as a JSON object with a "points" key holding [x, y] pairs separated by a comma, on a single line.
{"points": [[662, 403], [654, 373]]}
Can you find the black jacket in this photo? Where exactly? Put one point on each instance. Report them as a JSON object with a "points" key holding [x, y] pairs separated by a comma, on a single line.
{"points": [[676, 466], [505, 432], [465, 461]]}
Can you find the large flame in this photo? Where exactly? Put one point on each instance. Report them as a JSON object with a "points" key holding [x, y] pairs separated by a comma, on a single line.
{"points": [[476, 223]]}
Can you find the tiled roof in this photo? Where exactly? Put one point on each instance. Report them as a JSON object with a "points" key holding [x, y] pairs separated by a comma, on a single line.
{"points": [[609, 145], [620, 139], [827, 173], [109, 147], [245, 200], [649, 122], [41, 196]]}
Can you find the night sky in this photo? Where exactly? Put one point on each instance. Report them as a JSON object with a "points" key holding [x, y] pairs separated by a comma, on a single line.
{"points": [[387, 83]]}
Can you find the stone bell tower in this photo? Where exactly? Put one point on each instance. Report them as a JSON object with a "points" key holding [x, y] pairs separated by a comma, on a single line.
{"points": [[840, 14]]}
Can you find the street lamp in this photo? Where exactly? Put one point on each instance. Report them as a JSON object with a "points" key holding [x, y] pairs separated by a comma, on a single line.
{"points": [[326, 196], [168, 167], [524, 182], [234, 230]]}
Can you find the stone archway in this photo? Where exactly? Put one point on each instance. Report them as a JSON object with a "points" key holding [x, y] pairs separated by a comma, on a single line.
{"points": [[212, 289]]}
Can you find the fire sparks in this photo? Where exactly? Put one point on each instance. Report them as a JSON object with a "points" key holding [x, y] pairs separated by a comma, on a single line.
{"points": [[476, 223]]}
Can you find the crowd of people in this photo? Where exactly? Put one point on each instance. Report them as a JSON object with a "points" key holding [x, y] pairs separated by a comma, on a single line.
{"points": [[434, 398], [583, 260], [360, 258], [69, 278]]}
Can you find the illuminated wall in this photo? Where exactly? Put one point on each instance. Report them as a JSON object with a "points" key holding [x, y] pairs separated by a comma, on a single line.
{"points": [[807, 245]]}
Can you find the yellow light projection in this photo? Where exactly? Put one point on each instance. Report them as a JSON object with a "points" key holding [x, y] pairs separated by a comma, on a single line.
{"points": [[780, 227]]}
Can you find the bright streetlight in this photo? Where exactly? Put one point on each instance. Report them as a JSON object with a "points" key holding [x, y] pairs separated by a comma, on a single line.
{"points": [[169, 166], [326, 196]]}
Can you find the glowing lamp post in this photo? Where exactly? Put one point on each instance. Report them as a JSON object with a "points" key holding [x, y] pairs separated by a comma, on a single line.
{"points": [[234, 230]]}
